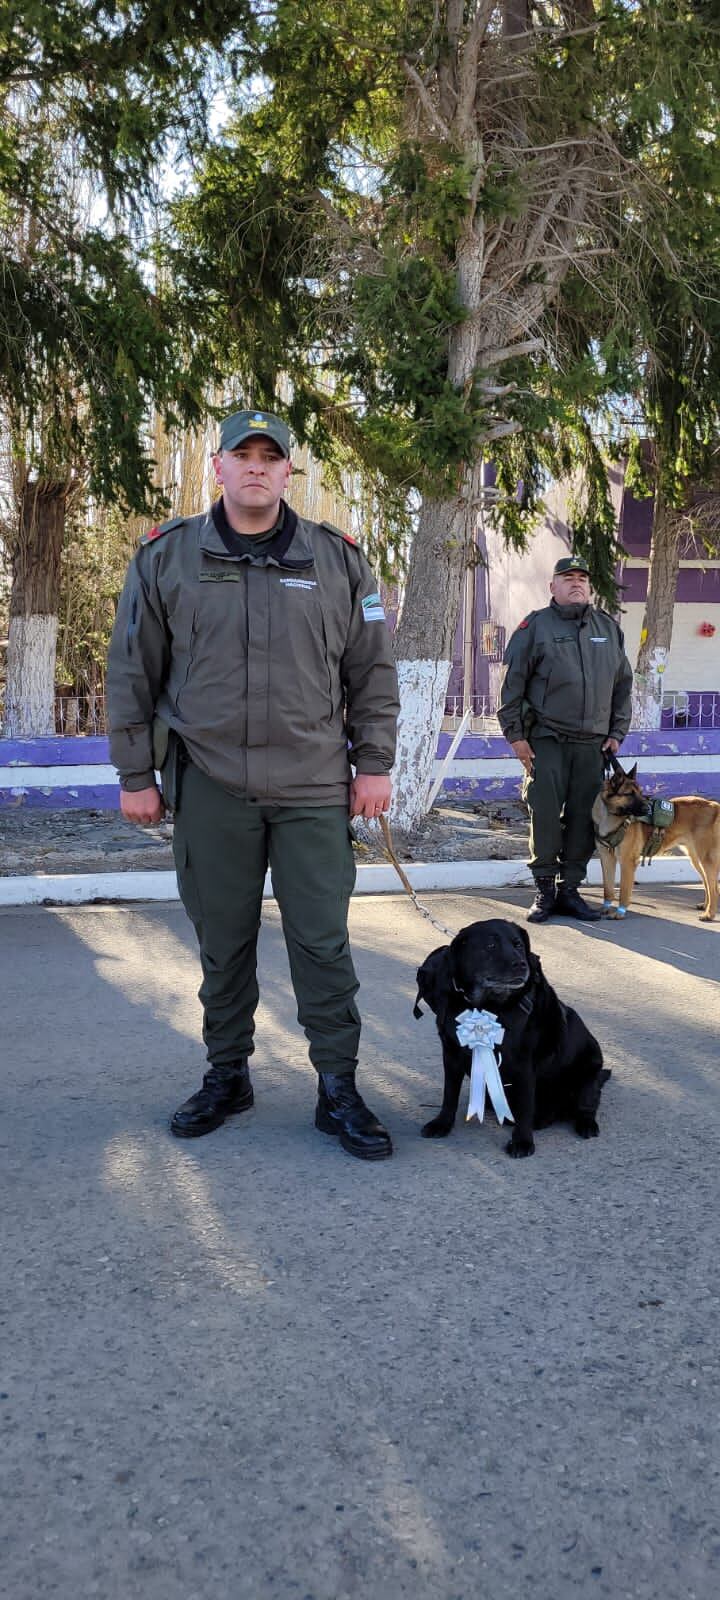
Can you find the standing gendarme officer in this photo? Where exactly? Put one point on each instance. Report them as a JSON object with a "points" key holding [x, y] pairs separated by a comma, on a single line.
{"points": [[251, 663], [565, 699]]}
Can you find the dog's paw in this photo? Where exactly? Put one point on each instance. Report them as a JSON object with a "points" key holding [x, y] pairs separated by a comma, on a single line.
{"points": [[438, 1128], [586, 1126], [519, 1148], [706, 916]]}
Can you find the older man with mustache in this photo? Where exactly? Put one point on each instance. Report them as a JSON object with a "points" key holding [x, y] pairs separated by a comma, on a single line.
{"points": [[565, 700]]}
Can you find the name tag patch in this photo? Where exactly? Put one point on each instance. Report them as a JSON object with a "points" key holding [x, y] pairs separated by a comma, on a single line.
{"points": [[373, 610], [598, 638], [299, 583]]}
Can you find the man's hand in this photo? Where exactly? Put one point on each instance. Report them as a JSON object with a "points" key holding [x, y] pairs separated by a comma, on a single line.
{"points": [[613, 745], [524, 753], [142, 805], [369, 795]]}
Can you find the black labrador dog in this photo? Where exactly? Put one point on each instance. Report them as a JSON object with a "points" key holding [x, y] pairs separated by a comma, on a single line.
{"points": [[551, 1065]]}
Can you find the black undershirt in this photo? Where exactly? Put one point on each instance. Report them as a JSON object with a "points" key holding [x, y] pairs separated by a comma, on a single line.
{"points": [[244, 544]]}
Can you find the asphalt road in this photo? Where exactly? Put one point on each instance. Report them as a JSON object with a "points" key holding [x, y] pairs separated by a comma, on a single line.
{"points": [[252, 1368]]}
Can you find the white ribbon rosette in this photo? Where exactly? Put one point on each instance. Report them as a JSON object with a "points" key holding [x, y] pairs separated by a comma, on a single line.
{"points": [[481, 1032]]}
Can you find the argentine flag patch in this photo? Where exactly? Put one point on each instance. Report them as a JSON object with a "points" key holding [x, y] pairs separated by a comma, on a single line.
{"points": [[373, 608]]}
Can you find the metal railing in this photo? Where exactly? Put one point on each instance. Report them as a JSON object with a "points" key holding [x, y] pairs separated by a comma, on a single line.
{"points": [[682, 708], [77, 714], [483, 714], [687, 708]]}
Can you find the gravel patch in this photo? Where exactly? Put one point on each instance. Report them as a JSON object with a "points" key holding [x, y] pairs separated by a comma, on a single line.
{"points": [[89, 841]]}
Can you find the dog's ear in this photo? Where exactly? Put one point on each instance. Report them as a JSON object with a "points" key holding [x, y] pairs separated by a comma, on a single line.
{"points": [[632, 774], [433, 981]]}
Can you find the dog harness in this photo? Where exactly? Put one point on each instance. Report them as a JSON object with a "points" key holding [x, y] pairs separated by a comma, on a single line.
{"points": [[657, 816]]}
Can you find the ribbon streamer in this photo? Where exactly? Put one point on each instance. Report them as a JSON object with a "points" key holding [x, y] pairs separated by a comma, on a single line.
{"points": [[481, 1032]]}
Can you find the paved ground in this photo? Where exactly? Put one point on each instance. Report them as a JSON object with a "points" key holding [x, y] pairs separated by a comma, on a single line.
{"points": [[251, 1368]]}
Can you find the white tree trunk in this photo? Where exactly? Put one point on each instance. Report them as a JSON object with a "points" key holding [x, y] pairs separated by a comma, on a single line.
{"points": [[30, 687], [423, 687], [647, 695], [659, 615]]}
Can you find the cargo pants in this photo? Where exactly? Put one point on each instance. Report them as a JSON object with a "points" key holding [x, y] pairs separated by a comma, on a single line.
{"points": [[560, 794], [223, 846]]}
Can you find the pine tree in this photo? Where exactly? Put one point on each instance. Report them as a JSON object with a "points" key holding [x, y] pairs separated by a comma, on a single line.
{"points": [[391, 222], [93, 99]]}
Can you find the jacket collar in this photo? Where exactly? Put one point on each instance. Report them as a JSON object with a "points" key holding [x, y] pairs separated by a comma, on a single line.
{"points": [[291, 547], [571, 613]]}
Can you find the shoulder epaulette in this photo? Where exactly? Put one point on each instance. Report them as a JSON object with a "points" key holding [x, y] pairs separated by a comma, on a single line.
{"points": [[162, 527], [339, 533], [526, 620]]}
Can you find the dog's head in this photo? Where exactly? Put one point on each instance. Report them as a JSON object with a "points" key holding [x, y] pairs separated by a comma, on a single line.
{"points": [[490, 962], [622, 793], [486, 964]]}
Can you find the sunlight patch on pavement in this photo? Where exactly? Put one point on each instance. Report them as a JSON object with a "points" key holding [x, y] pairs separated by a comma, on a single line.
{"points": [[178, 1189], [146, 962], [409, 1520]]}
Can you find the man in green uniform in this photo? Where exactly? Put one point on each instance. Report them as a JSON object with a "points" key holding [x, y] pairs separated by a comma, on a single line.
{"points": [[251, 663], [565, 700]]}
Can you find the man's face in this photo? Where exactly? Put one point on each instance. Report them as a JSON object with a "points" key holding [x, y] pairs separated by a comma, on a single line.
{"points": [[254, 475], [571, 588]]}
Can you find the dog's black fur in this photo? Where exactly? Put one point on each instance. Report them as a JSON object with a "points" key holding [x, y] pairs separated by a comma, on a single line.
{"points": [[551, 1065]]}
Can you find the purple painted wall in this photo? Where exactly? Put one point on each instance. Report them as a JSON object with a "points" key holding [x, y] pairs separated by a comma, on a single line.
{"points": [[701, 776], [694, 584]]}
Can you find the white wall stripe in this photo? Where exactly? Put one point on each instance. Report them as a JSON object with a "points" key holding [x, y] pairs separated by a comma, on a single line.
{"points": [[18, 778], [56, 777], [511, 768]]}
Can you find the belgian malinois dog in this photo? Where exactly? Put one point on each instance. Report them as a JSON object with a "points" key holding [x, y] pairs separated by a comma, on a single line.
{"points": [[623, 833]]}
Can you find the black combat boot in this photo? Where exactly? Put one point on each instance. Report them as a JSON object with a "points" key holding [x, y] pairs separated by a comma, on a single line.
{"points": [[225, 1091], [570, 903], [544, 903], [341, 1110]]}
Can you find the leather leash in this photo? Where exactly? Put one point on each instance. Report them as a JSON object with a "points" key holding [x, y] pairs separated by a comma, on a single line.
{"points": [[389, 850]]}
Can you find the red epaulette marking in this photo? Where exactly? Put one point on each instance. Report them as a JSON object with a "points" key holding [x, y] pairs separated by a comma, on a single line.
{"points": [[525, 623], [349, 539], [153, 533]]}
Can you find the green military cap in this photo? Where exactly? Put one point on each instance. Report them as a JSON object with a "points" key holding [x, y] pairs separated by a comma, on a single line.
{"points": [[570, 564], [242, 425]]}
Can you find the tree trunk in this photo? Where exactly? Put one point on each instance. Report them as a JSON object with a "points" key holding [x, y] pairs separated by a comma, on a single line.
{"points": [[424, 640], [32, 637], [656, 632]]}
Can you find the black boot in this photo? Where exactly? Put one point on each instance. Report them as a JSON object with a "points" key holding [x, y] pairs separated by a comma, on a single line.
{"points": [[570, 903], [341, 1110], [225, 1091], [544, 903]]}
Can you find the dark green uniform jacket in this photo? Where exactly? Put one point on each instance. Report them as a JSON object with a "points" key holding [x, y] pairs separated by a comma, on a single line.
{"points": [[566, 672], [266, 664]]}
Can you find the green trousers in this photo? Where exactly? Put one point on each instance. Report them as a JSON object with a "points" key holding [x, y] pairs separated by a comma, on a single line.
{"points": [[223, 846], [566, 778]]}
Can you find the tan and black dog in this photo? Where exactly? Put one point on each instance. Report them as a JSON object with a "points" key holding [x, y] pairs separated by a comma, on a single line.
{"points": [[623, 833]]}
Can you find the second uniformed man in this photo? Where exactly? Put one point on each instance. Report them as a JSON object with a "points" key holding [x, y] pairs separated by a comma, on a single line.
{"points": [[565, 699], [253, 642]]}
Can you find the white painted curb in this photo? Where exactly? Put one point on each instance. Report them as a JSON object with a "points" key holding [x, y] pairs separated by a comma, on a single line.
{"points": [[84, 887]]}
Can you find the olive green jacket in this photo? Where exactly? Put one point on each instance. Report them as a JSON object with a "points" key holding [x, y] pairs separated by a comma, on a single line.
{"points": [[566, 673], [275, 669]]}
